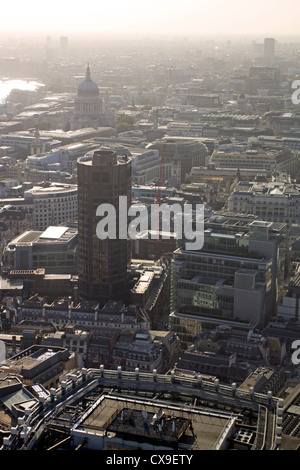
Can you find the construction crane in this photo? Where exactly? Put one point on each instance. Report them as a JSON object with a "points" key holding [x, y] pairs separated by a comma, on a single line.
{"points": [[158, 197]]}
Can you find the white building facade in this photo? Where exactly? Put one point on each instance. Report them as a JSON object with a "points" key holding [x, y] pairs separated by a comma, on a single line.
{"points": [[53, 204], [276, 202]]}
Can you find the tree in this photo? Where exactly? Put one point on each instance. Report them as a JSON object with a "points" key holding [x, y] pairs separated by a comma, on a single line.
{"points": [[124, 123]]}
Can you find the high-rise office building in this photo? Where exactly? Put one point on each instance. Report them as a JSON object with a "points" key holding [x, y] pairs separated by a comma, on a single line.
{"points": [[238, 275], [64, 41], [269, 49], [102, 263]]}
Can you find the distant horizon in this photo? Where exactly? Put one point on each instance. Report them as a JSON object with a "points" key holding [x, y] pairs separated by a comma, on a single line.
{"points": [[113, 36]]}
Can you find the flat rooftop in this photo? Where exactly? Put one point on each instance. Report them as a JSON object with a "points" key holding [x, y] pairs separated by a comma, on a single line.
{"points": [[53, 234], [143, 283], [27, 362], [160, 423], [52, 190]]}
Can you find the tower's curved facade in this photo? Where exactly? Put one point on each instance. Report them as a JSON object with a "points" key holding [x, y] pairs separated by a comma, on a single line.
{"points": [[102, 264]]}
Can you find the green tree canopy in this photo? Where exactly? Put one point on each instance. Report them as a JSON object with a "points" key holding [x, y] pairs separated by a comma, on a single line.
{"points": [[124, 123]]}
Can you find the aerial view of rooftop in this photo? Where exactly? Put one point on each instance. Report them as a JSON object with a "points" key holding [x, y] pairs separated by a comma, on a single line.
{"points": [[149, 229]]}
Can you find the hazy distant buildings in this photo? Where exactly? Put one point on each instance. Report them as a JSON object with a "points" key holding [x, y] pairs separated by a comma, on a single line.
{"points": [[37, 146], [263, 77], [274, 201], [89, 107], [62, 159], [181, 154], [145, 163], [203, 100], [88, 103], [102, 264], [64, 41], [22, 142], [260, 156], [285, 123], [269, 49], [291, 142]]}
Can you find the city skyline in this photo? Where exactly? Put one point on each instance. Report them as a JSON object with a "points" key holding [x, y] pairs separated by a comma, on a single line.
{"points": [[150, 227]]}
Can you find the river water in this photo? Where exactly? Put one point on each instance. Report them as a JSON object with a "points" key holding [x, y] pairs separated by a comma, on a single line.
{"points": [[6, 86]]}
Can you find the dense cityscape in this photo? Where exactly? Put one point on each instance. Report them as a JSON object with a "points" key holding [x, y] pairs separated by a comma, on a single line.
{"points": [[122, 343]]}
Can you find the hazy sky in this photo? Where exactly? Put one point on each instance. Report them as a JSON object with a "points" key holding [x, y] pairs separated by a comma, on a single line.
{"points": [[174, 17]]}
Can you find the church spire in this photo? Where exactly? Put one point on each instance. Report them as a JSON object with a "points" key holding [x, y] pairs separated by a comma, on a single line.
{"points": [[88, 73], [176, 156]]}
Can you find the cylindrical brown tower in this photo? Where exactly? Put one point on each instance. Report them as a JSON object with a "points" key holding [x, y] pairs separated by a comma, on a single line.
{"points": [[102, 264]]}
